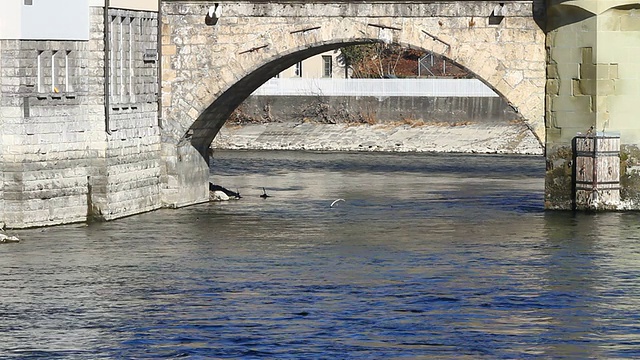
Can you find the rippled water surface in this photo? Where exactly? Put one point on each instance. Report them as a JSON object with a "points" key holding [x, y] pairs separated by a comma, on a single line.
{"points": [[428, 257]]}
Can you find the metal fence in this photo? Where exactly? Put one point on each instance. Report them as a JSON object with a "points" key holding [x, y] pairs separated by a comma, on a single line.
{"points": [[375, 87]]}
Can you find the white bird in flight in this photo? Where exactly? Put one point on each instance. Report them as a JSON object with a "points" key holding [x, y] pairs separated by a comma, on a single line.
{"points": [[335, 201]]}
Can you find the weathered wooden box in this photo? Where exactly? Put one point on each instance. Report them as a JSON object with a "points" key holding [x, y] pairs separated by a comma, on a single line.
{"points": [[596, 171]]}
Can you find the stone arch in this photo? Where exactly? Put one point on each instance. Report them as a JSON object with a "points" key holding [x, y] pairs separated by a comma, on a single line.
{"points": [[510, 58], [205, 127]]}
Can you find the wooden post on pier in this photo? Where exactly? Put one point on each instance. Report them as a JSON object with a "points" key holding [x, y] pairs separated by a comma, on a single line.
{"points": [[596, 171]]}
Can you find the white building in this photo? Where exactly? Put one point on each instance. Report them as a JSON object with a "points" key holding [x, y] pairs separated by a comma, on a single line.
{"points": [[69, 110], [325, 65]]}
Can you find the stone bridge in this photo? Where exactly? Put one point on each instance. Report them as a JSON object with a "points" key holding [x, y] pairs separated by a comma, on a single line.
{"points": [[86, 133], [211, 67]]}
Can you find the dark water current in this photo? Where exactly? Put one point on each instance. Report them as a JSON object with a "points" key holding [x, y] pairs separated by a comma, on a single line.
{"points": [[428, 257]]}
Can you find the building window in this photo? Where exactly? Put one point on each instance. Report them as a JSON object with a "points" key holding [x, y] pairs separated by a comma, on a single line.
{"points": [[40, 72], [327, 66], [28, 2], [131, 82], [113, 53], [121, 53], [67, 69], [54, 73], [131, 75], [298, 70]]}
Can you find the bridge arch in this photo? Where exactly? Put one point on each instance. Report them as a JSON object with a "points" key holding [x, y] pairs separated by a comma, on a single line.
{"points": [[204, 129], [208, 70], [212, 69]]}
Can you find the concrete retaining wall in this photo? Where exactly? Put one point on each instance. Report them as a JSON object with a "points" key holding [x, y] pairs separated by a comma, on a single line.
{"points": [[372, 110], [398, 124]]}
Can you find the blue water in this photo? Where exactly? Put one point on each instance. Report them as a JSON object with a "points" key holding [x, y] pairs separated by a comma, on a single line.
{"points": [[428, 257]]}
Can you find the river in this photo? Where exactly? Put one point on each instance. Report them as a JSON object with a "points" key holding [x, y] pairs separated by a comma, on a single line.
{"points": [[428, 257]]}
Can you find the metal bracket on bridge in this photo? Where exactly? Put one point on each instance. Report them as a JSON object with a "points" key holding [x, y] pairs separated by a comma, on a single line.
{"points": [[305, 30], [385, 27], [437, 39], [253, 49], [498, 13]]}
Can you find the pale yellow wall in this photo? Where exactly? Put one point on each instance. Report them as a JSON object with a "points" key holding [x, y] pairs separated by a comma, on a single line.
{"points": [[619, 48], [595, 6], [146, 5], [313, 67], [570, 94], [594, 72]]}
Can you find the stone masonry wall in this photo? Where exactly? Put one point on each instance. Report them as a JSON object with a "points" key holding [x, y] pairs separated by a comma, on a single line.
{"points": [[133, 159], [592, 87], [59, 163], [48, 133]]}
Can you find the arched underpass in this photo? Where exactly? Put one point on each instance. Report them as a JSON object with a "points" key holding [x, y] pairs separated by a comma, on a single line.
{"points": [[209, 70]]}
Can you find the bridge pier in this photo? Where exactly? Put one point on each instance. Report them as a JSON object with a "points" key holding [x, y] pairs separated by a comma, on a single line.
{"points": [[186, 180], [592, 88]]}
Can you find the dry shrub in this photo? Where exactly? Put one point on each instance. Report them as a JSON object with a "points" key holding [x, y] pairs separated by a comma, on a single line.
{"points": [[239, 118], [363, 118], [369, 118], [412, 121]]}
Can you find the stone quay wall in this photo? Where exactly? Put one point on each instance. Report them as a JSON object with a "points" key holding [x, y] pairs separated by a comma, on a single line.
{"points": [[60, 161]]}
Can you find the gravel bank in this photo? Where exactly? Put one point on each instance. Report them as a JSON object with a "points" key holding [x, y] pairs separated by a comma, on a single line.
{"points": [[474, 138]]}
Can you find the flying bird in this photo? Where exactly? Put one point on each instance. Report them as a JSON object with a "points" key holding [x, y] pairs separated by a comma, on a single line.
{"points": [[335, 201]]}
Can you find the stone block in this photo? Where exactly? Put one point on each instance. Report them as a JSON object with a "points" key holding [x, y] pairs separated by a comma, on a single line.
{"points": [[577, 104], [630, 22], [584, 87], [553, 87], [606, 87]]}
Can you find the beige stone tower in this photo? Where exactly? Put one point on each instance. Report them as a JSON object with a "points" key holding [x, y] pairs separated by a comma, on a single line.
{"points": [[593, 89]]}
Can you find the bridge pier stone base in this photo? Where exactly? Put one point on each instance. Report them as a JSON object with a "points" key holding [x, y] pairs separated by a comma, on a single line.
{"points": [[592, 87], [186, 181]]}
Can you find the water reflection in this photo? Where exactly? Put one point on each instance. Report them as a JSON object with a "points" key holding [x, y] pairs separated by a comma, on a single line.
{"points": [[429, 257]]}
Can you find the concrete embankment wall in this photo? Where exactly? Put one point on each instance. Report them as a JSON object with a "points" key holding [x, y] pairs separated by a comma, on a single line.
{"points": [[399, 124], [373, 109]]}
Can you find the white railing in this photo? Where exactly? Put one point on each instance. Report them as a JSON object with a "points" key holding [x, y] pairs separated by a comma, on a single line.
{"points": [[375, 87]]}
